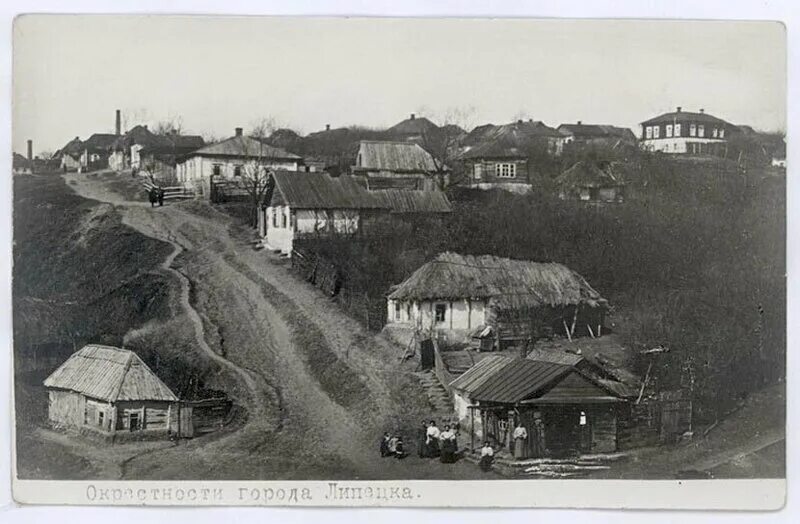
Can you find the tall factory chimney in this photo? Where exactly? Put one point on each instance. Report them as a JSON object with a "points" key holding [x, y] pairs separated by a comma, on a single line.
{"points": [[119, 123]]}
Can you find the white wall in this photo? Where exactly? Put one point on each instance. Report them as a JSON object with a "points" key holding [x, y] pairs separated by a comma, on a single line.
{"points": [[280, 234], [461, 314], [677, 144], [197, 167]]}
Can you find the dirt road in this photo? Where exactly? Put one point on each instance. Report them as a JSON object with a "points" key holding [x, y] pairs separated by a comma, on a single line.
{"points": [[318, 389]]}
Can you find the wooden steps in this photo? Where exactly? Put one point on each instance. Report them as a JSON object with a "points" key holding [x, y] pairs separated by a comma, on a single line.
{"points": [[437, 395]]}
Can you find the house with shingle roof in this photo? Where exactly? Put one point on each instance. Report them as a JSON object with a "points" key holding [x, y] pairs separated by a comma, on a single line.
{"points": [[110, 391], [599, 135], [565, 408], [230, 158], [500, 156], [395, 165], [299, 204]]}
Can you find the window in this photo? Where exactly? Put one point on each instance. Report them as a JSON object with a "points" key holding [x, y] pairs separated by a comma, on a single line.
{"points": [[701, 130], [397, 310], [100, 418], [284, 221], [692, 130], [669, 130], [274, 218], [237, 170], [478, 169], [583, 418], [656, 131], [506, 170], [440, 312], [677, 130], [648, 132], [217, 169], [714, 132], [722, 133]]}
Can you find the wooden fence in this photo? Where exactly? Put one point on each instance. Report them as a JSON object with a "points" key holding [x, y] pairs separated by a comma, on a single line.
{"points": [[333, 280], [170, 192]]}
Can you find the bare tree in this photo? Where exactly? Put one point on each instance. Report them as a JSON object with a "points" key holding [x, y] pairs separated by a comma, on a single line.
{"points": [[443, 142], [254, 176], [172, 125]]}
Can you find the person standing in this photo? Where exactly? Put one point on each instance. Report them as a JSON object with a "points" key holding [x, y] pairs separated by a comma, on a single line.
{"points": [[448, 446], [520, 436], [487, 457], [160, 197], [537, 436], [422, 437], [432, 440]]}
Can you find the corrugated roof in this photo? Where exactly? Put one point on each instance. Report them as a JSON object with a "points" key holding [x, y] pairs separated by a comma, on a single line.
{"points": [[509, 283], [475, 376], [394, 156], [245, 147], [319, 190], [412, 200], [109, 373], [518, 380]]}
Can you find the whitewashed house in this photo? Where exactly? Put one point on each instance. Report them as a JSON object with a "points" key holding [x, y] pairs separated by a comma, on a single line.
{"points": [[229, 160], [301, 204], [464, 296]]}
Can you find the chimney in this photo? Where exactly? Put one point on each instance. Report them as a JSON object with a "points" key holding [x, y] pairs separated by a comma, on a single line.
{"points": [[327, 127], [119, 123], [579, 122], [30, 150], [702, 110], [413, 116], [145, 127], [238, 131], [678, 110], [519, 121]]}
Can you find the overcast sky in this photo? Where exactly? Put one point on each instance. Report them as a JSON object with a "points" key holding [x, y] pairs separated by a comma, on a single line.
{"points": [[72, 72]]}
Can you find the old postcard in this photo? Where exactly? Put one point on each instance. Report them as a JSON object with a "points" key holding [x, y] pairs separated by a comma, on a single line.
{"points": [[399, 262]]}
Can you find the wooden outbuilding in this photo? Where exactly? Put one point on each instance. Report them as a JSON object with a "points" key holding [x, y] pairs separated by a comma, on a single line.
{"points": [[564, 408], [111, 392]]}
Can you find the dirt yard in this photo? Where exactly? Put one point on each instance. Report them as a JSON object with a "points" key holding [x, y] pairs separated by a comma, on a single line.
{"points": [[318, 389]]}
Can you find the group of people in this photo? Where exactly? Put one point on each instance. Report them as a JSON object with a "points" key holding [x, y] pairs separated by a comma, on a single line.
{"points": [[392, 446], [526, 445], [432, 442], [156, 196]]}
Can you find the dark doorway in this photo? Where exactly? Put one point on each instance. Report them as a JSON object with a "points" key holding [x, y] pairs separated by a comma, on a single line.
{"points": [[427, 358], [135, 422]]}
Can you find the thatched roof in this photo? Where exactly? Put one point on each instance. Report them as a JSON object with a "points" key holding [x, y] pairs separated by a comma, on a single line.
{"points": [[508, 283], [109, 373], [589, 175]]}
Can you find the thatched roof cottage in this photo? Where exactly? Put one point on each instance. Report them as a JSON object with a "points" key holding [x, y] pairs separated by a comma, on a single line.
{"points": [[509, 300]]}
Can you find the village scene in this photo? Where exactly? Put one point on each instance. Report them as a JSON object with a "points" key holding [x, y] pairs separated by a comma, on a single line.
{"points": [[444, 297]]}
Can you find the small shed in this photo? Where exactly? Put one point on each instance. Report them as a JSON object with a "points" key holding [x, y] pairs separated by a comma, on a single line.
{"points": [[577, 412], [110, 391], [590, 182]]}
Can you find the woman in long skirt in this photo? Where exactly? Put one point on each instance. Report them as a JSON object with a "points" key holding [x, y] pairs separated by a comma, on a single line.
{"points": [[432, 440], [448, 446], [422, 437], [487, 457], [520, 442]]}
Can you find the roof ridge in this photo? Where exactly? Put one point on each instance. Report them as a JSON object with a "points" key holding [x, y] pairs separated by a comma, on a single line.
{"points": [[124, 374]]}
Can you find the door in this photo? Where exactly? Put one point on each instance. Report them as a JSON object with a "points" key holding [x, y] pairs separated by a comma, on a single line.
{"points": [[426, 354], [135, 422]]}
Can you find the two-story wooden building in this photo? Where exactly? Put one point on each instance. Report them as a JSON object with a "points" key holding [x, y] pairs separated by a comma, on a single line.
{"points": [[686, 132]]}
